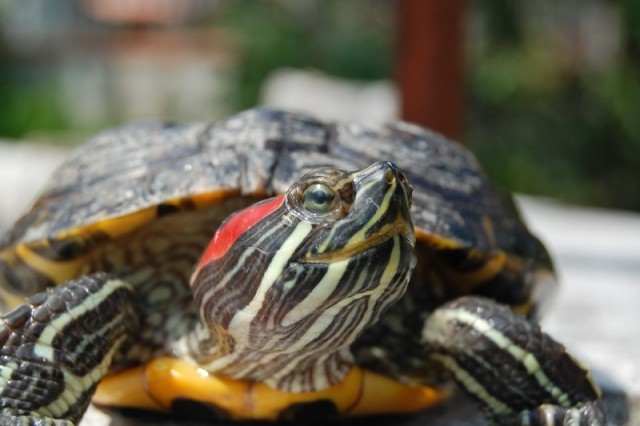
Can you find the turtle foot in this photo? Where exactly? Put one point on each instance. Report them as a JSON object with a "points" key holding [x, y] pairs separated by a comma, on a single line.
{"points": [[56, 347], [519, 374]]}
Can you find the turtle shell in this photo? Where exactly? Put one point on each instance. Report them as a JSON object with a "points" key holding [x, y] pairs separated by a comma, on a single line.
{"points": [[260, 152], [128, 178]]}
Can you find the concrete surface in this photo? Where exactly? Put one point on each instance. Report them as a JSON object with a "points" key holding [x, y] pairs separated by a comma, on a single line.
{"points": [[24, 169], [596, 313], [329, 97]]}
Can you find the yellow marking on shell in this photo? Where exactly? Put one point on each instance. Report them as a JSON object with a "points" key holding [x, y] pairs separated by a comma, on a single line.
{"points": [[208, 199], [487, 224], [527, 359], [523, 308], [494, 264], [166, 379], [472, 385], [56, 271], [10, 299], [114, 227], [118, 226], [435, 241]]}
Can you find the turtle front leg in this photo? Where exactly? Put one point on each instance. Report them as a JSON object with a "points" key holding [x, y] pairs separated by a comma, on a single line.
{"points": [[58, 346], [519, 374]]}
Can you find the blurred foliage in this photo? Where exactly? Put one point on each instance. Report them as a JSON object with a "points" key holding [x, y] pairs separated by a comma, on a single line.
{"points": [[339, 37], [544, 120], [27, 99], [539, 120], [543, 117]]}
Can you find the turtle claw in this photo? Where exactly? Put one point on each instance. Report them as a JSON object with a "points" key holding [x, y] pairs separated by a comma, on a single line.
{"points": [[33, 421], [589, 413]]}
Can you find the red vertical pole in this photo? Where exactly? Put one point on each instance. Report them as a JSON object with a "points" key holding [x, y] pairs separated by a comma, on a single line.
{"points": [[430, 64]]}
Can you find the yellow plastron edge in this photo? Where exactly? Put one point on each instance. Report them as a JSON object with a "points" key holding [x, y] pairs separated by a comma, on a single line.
{"points": [[157, 384], [113, 228]]}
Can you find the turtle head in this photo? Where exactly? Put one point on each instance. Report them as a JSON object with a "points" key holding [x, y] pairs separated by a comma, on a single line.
{"points": [[303, 274]]}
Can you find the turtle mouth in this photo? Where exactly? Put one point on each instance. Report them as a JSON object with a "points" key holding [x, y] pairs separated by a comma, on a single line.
{"points": [[399, 228]]}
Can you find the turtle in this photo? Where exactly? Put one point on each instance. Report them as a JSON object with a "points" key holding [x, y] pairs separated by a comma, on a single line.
{"points": [[273, 266]]}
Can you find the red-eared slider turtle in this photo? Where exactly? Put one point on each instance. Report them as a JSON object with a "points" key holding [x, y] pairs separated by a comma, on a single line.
{"points": [[350, 291]]}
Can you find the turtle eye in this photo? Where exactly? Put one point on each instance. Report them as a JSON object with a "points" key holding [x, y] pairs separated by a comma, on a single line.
{"points": [[318, 198]]}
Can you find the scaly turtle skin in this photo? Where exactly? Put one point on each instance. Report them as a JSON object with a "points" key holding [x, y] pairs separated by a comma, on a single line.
{"points": [[348, 292]]}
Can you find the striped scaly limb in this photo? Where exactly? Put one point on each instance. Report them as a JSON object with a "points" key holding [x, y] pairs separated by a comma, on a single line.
{"points": [[58, 346], [519, 374]]}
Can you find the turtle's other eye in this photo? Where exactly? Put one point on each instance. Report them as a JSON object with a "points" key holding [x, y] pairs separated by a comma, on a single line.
{"points": [[319, 198]]}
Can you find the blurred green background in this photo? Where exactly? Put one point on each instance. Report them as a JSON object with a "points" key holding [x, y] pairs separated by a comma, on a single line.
{"points": [[552, 88]]}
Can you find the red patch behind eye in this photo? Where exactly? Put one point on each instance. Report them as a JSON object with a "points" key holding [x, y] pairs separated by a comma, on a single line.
{"points": [[231, 229]]}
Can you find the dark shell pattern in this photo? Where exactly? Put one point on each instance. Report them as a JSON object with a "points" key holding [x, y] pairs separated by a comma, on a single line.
{"points": [[261, 152]]}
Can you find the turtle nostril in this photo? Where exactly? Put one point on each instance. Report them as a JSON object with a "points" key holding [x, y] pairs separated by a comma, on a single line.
{"points": [[390, 177]]}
